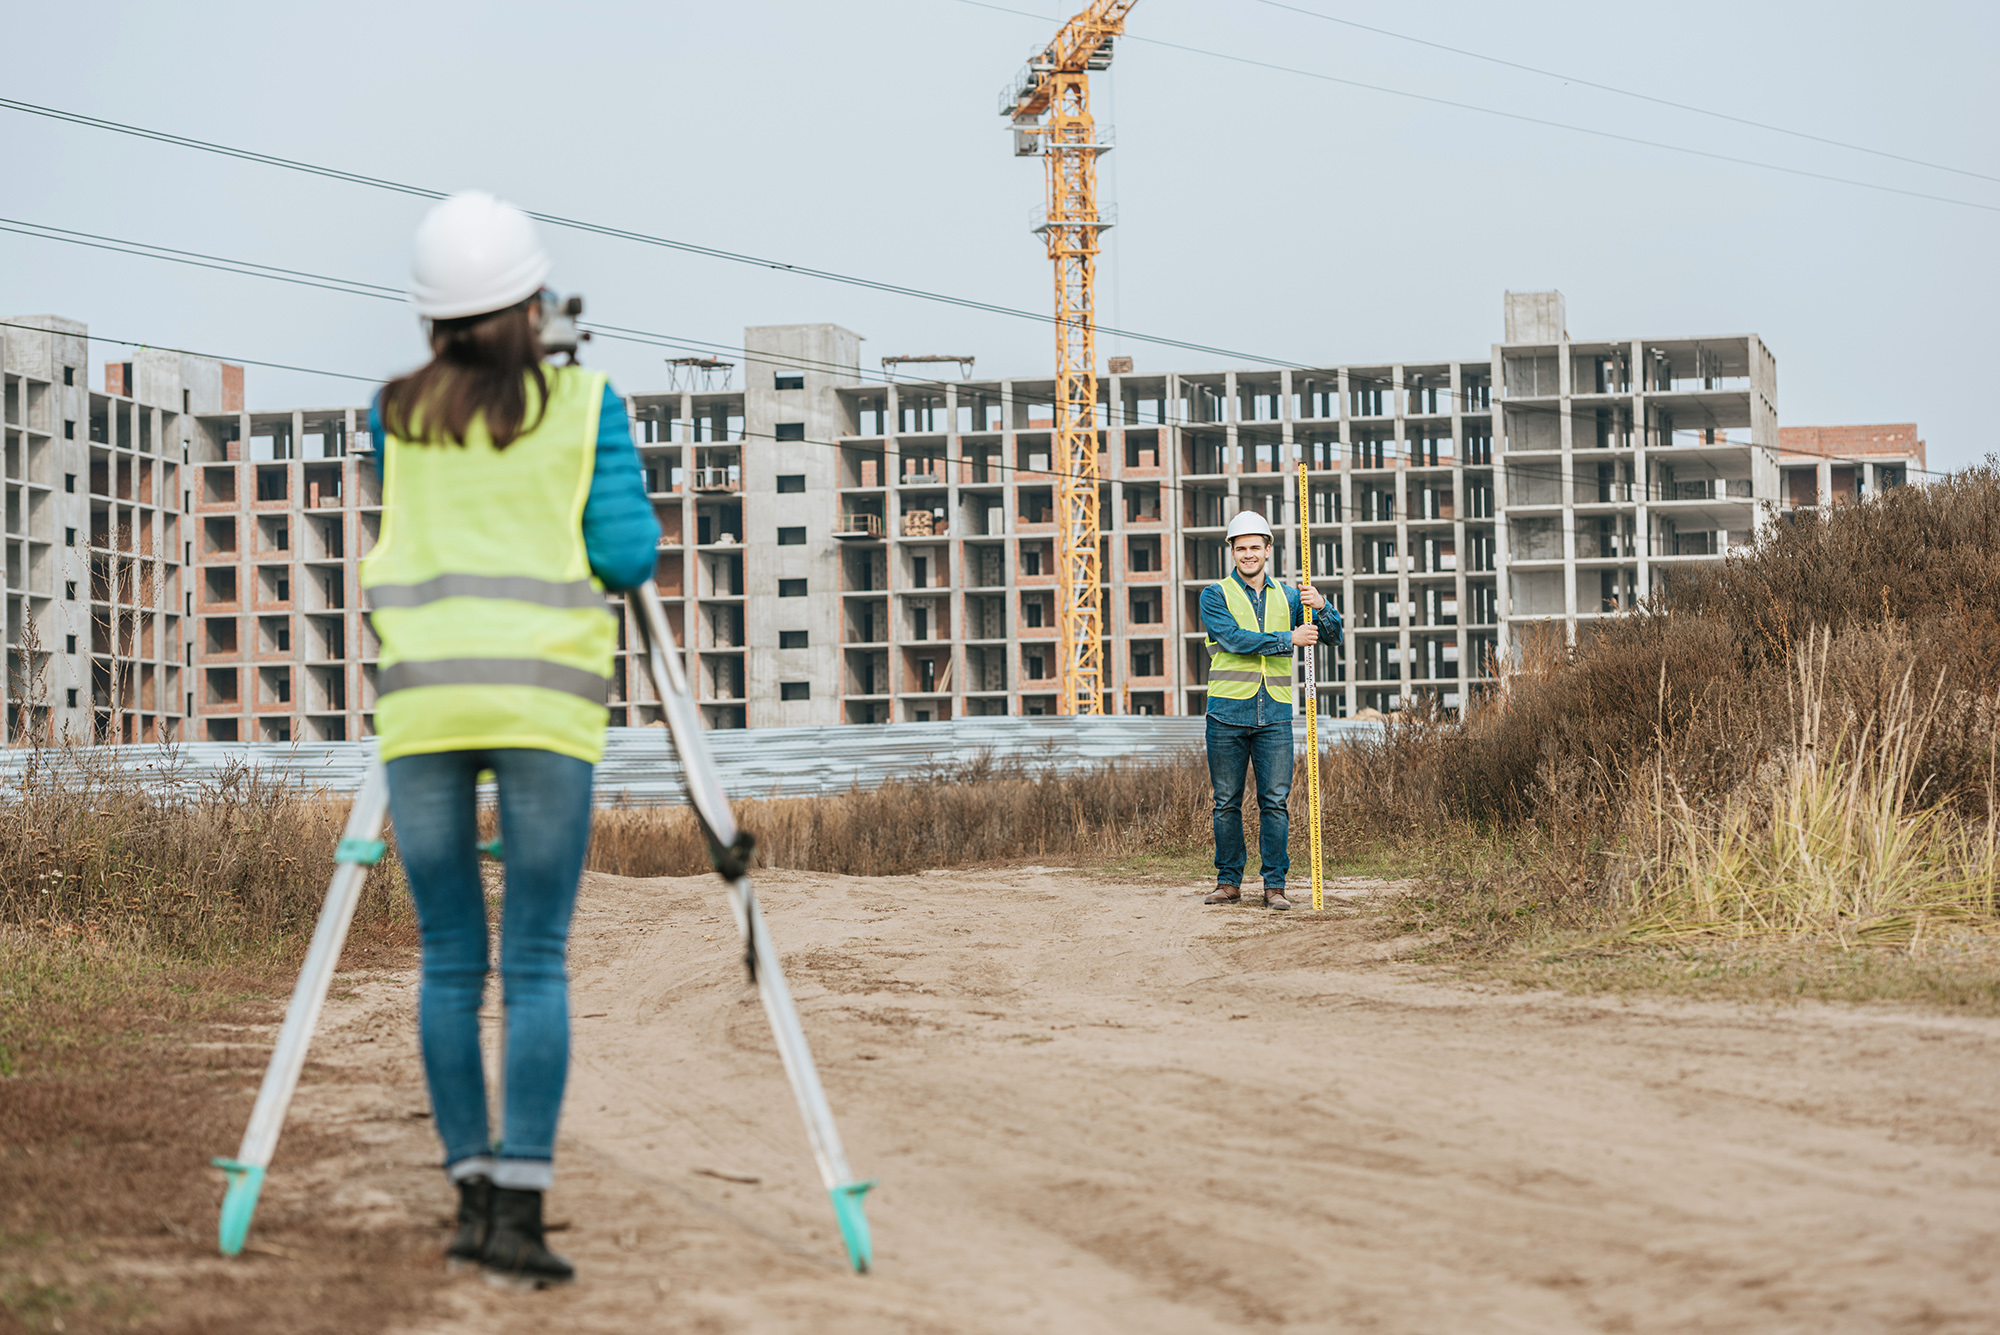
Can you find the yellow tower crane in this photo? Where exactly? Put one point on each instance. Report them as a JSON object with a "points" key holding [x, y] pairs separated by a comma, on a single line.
{"points": [[1049, 104]]}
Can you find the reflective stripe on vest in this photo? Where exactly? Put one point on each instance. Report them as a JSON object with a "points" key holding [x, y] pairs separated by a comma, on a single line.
{"points": [[519, 588], [1237, 676], [491, 672], [494, 633]]}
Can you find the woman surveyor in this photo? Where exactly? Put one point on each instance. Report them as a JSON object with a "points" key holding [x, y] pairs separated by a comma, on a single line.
{"points": [[512, 499]]}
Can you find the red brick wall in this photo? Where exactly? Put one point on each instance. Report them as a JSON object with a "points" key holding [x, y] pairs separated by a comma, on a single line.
{"points": [[1896, 440], [232, 388]]}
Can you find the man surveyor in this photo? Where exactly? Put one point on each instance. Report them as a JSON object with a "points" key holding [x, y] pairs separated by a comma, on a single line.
{"points": [[1250, 642]]}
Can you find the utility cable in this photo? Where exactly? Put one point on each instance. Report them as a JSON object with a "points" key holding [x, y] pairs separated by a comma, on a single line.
{"points": [[1522, 117], [617, 233], [1628, 92], [355, 287], [379, 291]]}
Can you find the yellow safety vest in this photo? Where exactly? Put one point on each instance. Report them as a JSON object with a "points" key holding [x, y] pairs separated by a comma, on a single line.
{"points": [[1237, 676], [494, 633]]}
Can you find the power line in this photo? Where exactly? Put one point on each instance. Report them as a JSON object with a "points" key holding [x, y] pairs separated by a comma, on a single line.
{"points": [[1522, 117], [617, 233], [145, 250], [1628, 92], [377, 291], [352, 287]]}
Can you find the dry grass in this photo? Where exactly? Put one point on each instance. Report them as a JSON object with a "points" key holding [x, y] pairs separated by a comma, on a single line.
{"points": [[979, 815], [1834, 837], [134, 919], [1156, 814], [118, 1094], [170, 863], [1782, 761]]}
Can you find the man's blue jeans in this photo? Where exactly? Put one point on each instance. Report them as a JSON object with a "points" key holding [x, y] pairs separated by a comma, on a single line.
{"points": [[544, 833], [1231, 750]]}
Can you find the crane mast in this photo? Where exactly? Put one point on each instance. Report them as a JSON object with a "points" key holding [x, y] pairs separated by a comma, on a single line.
{"points": [[1049, 105]]}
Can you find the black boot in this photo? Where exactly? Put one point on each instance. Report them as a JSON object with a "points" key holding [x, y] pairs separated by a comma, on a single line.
{"points": [[515, 1254], [475, 1221]]}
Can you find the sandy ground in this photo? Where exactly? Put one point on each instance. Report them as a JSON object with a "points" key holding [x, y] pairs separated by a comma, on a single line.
{"points": [[1104, 1108]]}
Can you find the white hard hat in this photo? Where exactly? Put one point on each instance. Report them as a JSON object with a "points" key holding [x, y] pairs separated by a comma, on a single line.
{"points": [[1249, 521], [474, 254]]}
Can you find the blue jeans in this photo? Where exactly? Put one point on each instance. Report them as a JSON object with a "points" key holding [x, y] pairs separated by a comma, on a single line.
{"points": [[1232, 749], [544, 833]]}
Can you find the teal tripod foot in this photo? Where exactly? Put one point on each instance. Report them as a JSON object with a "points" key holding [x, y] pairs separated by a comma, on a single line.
{"points": [[245, 1181], [854, 1224]]}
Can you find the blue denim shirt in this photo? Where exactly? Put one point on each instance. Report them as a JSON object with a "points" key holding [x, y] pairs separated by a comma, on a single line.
{"points": [[1222, 628]]}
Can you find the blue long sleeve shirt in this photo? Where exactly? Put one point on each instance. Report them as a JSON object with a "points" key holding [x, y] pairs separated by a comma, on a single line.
{"points": [[1232, 638], [620, 532]]}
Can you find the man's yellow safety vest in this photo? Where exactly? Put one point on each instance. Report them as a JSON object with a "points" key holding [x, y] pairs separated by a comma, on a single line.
{"points": [[494, 632], [1237, 676]]}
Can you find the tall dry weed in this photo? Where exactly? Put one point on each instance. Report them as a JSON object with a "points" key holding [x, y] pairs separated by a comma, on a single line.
{"points": [[1701, 677], [167, 861], [1841, 834]]}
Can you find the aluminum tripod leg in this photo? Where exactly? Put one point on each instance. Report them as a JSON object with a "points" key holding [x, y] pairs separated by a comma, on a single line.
{"points": [[730, 847], [360, 848]]}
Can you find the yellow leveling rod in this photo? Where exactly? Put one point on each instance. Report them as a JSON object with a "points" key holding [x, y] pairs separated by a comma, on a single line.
{"points": [[1311, 689]]}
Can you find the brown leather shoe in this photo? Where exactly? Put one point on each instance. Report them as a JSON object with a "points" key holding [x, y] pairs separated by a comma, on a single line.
{"points": [[1225, 893], [1274, 897]]}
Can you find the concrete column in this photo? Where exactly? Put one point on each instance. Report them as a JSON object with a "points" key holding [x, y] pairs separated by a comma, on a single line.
{"points": [[1458, 532], [1173, 594], [1642, 491], [1010, 548], [1503, 588], [1344, 487], [1566, 482]]}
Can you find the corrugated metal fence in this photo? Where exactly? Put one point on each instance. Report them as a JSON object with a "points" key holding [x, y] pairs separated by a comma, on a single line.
{"points": [[639, 767]]}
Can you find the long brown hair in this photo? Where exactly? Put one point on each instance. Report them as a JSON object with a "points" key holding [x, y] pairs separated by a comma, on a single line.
{"points": [[480, 366]]}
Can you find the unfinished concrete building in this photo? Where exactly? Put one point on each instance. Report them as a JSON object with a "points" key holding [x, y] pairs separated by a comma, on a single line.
{"points": [[1624, 459], [280, 508], [96, 603], [841, 549]]}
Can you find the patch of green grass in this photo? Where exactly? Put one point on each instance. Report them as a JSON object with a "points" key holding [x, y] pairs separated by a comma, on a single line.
{"points": [[1541, 932], [66, 997], [1384, 860], [34, 1303], [1181, 866]]}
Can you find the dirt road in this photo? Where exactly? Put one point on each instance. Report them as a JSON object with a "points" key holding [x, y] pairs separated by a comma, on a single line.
{"points": [[1105, 1108]]}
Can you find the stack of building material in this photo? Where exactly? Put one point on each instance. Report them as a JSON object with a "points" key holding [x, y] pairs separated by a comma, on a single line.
{"points": [[917, 524]]}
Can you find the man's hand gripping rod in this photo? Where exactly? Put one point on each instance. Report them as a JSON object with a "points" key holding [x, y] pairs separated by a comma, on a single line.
{"points": [[731, 847]]}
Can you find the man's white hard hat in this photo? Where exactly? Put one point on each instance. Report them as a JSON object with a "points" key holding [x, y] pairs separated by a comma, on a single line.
{"points": [[475, 254], [1249, 521]]}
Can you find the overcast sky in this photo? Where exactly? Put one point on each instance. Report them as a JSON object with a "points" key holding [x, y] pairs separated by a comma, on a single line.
{"points": [[1264, 211]]}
